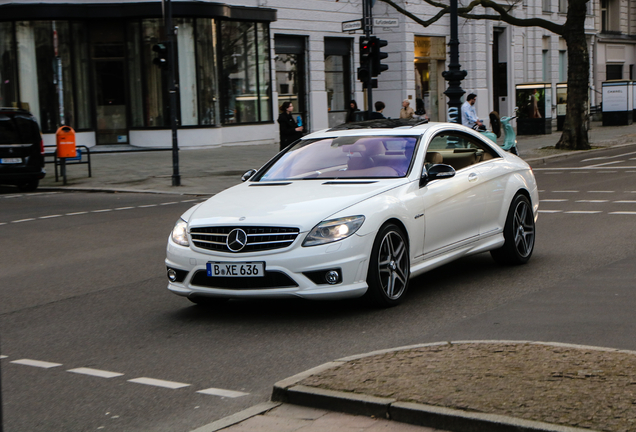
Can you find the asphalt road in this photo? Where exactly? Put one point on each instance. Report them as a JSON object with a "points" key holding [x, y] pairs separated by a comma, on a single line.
{"points": [[82, 288]]}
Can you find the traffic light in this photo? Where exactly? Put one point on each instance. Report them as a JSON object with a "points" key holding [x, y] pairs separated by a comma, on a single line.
{"points": [[364, 74], [377, 56], [161, 60], [365, 50]]}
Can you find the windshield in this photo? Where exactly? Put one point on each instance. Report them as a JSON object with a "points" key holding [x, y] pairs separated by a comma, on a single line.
{"points": [[345, 157]]}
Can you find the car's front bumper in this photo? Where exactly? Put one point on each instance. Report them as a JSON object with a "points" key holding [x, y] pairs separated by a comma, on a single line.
{"points": [[349, 256]]}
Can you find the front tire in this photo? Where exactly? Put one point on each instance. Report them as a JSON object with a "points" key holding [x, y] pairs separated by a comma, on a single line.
{"points": [[389, 267], [519, 233]]}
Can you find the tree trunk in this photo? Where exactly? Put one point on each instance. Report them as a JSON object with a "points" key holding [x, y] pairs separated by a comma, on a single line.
{"points": [[574, 135]]}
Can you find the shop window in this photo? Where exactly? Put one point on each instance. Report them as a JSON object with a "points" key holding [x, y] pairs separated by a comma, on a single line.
{"points": [[337, 78], [206, 71], [613, 72], [8, 81], [156, 102], [81, 61], [244, 87]]}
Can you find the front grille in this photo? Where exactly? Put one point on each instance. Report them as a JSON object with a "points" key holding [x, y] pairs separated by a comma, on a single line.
{"points": [[272, 279], [258, 238]]}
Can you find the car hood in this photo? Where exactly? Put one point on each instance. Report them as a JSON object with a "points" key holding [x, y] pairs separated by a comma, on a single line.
{"points": [[300, 204]]}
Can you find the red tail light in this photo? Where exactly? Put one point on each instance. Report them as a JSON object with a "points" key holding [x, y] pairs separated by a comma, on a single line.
{"points": [[41, 146]]}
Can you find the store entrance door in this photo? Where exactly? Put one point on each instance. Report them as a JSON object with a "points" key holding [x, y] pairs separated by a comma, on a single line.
{"points": [[108, 63]]}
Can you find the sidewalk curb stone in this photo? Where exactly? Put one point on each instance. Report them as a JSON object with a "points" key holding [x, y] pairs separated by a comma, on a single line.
{"points": [[291, 391]]}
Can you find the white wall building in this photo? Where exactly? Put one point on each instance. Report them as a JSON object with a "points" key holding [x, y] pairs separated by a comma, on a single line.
{"points": [[90, 65]]}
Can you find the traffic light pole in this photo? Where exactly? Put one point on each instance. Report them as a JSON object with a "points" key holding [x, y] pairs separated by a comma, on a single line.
{"points": [[171, 32], [367, 15]]}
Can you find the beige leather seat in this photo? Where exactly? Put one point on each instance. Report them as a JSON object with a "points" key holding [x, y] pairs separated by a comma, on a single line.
{"points": [[434, 158]]}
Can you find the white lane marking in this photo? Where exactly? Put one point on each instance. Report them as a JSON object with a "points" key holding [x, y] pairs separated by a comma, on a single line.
{"points": [[3, 223], [607, 172], [12, 196], [554, 200], [190, 200], [550, 211], [552, 173], [124, 208], [601, 191], [624, 212], [36, 363], [591, 201], [1, 356], [49, 216], [591, 167], [580, 172], [609, 157], [95, 372], [565, 191], [584, 212], [625, 202], [23, 220], [101, 211], [606, 163], [169, 203], [76, 213], [222, 393], [159, 383], [148, 205]]}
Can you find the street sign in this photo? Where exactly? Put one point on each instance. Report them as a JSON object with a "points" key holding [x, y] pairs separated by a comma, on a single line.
{"points": [[354, 25], [386, 22]]}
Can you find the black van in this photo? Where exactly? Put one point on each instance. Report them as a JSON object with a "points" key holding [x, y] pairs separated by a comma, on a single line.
{"points": [[21, 149]]}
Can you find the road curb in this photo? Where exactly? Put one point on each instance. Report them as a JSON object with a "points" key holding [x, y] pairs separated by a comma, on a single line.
{"points": [[291, 390], [238, 417], [544, 159], [117, 190]]}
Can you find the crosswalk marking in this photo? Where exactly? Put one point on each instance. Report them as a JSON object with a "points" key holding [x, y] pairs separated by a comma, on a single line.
{"points": [[36, 363], [95, 372], [159, 383]]}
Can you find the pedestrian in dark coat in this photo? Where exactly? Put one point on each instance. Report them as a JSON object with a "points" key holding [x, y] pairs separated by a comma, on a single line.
{"points": [[289, 129], [351, 112]]}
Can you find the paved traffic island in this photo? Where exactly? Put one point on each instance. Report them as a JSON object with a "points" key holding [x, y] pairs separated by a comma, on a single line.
{"points": [[479, 386]]}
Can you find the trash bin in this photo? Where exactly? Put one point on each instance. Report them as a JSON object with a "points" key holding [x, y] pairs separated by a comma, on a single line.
{"points": [[65, 142]]}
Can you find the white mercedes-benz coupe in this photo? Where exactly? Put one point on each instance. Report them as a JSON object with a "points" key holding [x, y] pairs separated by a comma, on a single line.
{"points": [[355, 211]]}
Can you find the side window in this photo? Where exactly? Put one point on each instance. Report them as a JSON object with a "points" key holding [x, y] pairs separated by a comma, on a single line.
{"points": [[458, 150]]}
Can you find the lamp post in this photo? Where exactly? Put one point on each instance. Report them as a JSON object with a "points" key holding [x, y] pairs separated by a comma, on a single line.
{"points": [[172, 88], [454, 75]]}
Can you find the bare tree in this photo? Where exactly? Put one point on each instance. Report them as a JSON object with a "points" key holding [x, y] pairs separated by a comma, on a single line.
{"points": [[574, 136]]}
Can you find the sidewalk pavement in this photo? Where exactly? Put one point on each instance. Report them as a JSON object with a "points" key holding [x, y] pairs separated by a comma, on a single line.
{"points": [[207, 171], [491, 386]]}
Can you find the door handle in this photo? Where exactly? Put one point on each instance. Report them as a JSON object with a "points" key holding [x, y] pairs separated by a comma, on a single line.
{"points": [[472, 177]]}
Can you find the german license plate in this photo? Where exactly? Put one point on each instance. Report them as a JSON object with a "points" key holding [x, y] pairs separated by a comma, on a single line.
{"points": [[11, 160], [236, 269]]}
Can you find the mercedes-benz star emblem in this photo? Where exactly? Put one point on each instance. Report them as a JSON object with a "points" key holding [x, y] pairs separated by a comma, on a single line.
{"points": [[236, 240]]}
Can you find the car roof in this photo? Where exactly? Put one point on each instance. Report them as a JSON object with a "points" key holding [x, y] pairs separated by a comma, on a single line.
{"points": [[384, 127]]}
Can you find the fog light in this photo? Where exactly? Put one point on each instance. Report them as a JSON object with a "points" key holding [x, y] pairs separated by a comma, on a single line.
{"points": [[172, 275], [332, 277]]}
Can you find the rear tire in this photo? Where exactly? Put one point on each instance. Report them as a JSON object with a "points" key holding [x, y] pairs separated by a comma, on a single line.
{"points": [[29, 185], [389, 267], [519, 234]]}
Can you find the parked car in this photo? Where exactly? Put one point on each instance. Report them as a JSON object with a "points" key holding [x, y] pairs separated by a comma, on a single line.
{"points": [[354, 211], [21, 149]]}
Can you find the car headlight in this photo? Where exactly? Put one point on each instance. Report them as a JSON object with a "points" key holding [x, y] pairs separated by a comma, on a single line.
{"points": [[333, 230], [180, 233]]}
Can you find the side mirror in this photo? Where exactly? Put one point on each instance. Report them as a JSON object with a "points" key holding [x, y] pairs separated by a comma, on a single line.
{"points": [[436, 172], [248, 175]]}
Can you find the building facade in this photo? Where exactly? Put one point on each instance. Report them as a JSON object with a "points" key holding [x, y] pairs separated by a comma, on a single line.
{"points": [[90, 65]]}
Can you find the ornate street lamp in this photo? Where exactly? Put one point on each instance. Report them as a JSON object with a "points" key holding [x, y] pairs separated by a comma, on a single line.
{"points": [[454, 75]]}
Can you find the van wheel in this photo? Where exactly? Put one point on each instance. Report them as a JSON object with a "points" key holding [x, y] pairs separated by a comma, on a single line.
{"points": [[29, 185]]}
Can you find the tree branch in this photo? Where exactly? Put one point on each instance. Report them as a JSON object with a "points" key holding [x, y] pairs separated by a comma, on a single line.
{"points": [[444, 10]]}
